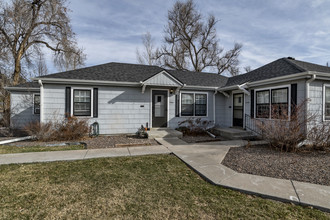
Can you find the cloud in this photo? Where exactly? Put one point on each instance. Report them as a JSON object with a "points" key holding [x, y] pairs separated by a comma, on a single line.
{"points": [[111, 30]]}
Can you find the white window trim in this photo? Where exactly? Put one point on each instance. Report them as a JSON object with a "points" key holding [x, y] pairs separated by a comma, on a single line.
{"points": [[270, 100], [92, 100], [323, 101], [34, 94], [198, 116]]}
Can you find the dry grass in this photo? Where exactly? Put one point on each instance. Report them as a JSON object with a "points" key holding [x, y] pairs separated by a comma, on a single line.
{"points": [[8, 149], [148, 187]]}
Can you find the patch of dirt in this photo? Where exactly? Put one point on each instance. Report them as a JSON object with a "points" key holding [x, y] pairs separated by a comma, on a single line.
{"points": [[199, 138], [98, 142], [312, 167]]}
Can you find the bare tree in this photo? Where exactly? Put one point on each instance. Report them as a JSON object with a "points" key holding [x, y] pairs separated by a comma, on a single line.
{"points": [[192, 44], [247, 69], [26, 27], [41, 67], [148, 56]]}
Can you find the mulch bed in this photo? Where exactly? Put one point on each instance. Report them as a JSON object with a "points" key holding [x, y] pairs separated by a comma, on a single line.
{"points": [[199, 138], [312, 167], [98, 142]]}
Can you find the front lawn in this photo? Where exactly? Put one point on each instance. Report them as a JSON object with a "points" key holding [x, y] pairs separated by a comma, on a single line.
{"points": [[147, 187], [8, 149]]}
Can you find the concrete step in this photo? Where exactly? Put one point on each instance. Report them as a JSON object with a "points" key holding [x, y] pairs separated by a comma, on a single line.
{"points": [[233, 133], [164, 133]]}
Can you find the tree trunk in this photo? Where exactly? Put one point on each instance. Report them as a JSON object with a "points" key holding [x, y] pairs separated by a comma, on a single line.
{"points": [[6, 110], [17, 71]]}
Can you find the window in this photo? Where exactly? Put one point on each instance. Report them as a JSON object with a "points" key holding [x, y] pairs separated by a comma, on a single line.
{"points": [[193, 104], [279, 103], [263, 104], [200, 104], [36, 104], [187, 104], [327, 103], [81, 102], [272, 103]]}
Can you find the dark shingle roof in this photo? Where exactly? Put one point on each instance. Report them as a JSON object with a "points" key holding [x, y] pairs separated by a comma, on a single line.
{"points": [[280, 67], [310, 66], [123, 72], [120, 72], [27, 85], [198, 78]]}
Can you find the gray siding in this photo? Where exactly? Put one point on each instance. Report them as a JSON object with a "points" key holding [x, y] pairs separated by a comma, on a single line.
{"points": [[22, 109], [224, 110], [121, 109]]}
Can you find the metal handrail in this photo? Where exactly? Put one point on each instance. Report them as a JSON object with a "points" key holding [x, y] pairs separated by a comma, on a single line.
{"points": [[251, 124]]}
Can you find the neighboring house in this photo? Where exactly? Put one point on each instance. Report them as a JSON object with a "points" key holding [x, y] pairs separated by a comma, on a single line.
{"points": [[122, 97]]}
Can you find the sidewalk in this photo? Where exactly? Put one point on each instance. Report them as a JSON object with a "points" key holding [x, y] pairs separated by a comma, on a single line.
{"points": [[81, 154], [206, 159]]}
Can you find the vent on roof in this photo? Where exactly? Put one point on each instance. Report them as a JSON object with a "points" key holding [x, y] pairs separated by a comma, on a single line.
{"points": [[291, 58]]}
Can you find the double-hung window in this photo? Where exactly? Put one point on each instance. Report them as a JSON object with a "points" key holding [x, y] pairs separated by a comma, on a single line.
{"points": [[272, 103], [279, 103], [36, 104], [81, 102], [327, 102], [262, 104], [193, 104]]}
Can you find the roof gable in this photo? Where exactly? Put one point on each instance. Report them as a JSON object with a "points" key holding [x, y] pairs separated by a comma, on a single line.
{"points": [[163, 79]]}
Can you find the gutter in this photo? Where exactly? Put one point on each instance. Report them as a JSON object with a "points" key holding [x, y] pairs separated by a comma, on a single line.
{"points": [[33, 89], [88, 82], [114, 83], [302, 75]]}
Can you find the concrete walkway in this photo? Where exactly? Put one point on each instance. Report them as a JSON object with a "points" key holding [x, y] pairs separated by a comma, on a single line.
{"points": [[206, 159], [81, 154]]}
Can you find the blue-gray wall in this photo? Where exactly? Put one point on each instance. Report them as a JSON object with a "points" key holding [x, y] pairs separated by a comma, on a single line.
{"points": [[22, 109]]}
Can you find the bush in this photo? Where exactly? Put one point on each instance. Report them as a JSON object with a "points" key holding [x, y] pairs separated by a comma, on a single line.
{"points": [[319, 137], [193, 126], [70, 128], [285, 132]]}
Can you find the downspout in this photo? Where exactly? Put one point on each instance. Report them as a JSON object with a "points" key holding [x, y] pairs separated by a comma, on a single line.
{"points": [[41, 101], [215, 92], [307, 99]]}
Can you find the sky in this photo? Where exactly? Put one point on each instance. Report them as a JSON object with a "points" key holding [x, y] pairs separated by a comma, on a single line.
{"points": [[111, 30]]}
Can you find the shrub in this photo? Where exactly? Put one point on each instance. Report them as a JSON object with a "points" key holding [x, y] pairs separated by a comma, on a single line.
{"points": [[193, 126], [319, 137], [285, 132], [70, 128]]}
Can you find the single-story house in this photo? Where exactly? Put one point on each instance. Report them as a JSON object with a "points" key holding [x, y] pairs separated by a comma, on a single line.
{"points": [[122, 97]]}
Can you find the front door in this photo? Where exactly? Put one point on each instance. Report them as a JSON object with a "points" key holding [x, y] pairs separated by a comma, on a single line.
{"points": [[238, 109], [159, 108]]}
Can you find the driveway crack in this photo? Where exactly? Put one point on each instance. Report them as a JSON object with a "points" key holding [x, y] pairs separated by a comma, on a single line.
{"points": [[129, 152]]}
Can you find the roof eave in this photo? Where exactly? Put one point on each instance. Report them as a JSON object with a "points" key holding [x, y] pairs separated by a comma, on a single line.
{"points": [[280, 79], [86, 82], [21, 89]]}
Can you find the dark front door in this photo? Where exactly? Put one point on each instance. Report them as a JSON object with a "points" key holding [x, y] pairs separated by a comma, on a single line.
{"points": [[238, 109], [159, 108]]}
